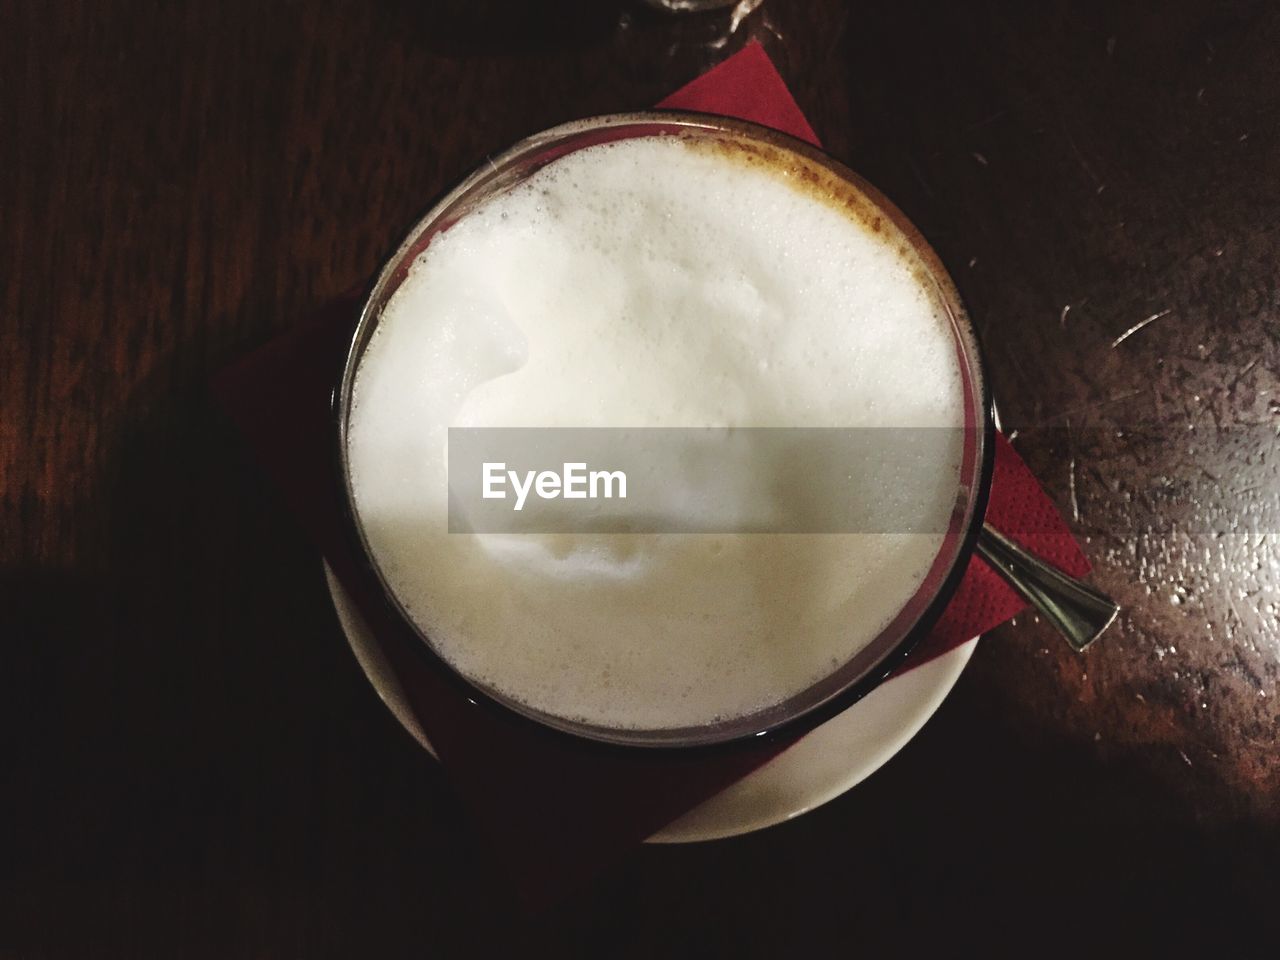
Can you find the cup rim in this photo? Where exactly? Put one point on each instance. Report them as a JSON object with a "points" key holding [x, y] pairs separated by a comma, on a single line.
{"points": [[501, 172]]}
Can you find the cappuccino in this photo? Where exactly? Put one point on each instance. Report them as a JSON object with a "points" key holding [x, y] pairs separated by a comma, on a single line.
{"points": [[659, 281]]}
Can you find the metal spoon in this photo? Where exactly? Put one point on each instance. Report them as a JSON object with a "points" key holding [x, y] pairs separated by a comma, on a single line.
{"points": [[1078, 612]]}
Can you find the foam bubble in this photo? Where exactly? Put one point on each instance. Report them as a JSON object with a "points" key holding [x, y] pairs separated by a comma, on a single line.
{"points": [[649, 282]]}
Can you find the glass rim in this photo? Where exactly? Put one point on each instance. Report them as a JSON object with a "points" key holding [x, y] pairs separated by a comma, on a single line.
{"points": [[868, 667]]}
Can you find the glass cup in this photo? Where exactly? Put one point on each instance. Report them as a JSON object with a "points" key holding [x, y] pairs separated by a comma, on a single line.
{"points": [[689, 6], [869, 666]]}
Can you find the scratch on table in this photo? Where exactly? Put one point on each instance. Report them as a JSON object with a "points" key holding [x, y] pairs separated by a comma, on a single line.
{"points": [[1071, 486], [915, 169], [1138, 326], [1247, 367], [1084, 164], [1232, 563], [1062, 317], [1209, 473], [980, 158], [1071, 475], [989, 119], [1090, 407]]}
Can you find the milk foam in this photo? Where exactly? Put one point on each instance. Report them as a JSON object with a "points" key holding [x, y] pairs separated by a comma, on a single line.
{"points": [[649, 282]]}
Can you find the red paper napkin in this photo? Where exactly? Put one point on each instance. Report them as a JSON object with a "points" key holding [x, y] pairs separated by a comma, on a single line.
{"points": [[555, 810]]}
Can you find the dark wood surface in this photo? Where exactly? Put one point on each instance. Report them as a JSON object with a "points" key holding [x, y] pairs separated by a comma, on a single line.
{"points": [[194, 766]]}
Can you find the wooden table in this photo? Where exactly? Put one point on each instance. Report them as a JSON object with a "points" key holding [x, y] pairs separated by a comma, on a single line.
{"points": [[195, 767]]}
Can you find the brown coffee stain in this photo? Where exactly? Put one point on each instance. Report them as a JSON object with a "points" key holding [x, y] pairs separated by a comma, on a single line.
{"points": [[829, 187]]}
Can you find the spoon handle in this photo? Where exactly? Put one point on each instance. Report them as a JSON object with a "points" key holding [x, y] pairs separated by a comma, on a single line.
{"points": [[1077, 611]]}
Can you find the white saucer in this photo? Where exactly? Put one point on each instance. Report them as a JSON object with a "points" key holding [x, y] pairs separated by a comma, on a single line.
{"points": [[842, 752]]}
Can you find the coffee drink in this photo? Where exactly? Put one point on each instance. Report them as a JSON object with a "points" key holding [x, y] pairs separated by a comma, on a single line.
{"points": [[657, 281]]}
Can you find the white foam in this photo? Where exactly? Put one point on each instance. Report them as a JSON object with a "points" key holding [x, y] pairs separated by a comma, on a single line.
{"points": [[648, 283]]}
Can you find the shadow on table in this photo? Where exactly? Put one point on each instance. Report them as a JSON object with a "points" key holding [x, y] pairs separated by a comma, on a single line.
{"points": [[198, 759]]}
